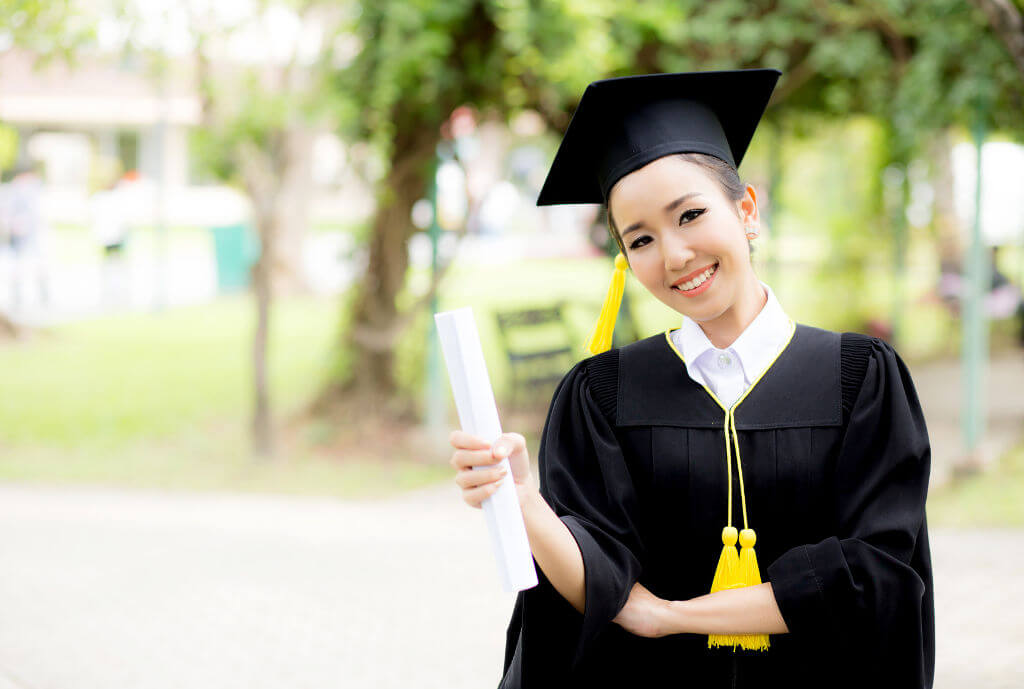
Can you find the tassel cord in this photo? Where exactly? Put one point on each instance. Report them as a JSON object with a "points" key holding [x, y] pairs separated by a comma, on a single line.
{"points": [[728, 466], [736, 570], [739, 469]]}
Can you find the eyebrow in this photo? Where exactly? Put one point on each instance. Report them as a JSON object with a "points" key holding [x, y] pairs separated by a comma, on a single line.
{"points": [[668, 209]]}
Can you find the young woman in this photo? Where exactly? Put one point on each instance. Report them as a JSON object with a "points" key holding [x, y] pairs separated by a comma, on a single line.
{"points": [[805, 448]]}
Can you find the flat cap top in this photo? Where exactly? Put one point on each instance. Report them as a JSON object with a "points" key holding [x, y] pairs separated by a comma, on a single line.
{"points": [[622, 124]]}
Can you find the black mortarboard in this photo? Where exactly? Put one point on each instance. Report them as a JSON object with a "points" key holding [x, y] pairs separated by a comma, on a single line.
{"points": [[622, 124]]}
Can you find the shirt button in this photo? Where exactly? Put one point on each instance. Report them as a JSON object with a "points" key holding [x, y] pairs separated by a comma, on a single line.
{"points": [[724, 360]]}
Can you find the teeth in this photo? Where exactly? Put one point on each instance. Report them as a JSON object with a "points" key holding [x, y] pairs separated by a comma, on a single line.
{"points": [[697, 281]]}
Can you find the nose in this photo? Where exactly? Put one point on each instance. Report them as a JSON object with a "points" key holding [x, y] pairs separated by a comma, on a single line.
{"points": [[676, 252]]}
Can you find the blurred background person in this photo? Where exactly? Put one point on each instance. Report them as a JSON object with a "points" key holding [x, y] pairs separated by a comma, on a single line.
{"points": [[24, 231], [110, 218]]}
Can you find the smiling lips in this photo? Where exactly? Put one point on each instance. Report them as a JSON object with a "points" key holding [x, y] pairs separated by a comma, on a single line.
{"points": [[692, 283]]}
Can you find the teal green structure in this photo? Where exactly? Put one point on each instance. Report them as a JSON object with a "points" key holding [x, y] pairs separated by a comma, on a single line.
{"points": [[236, 248]]}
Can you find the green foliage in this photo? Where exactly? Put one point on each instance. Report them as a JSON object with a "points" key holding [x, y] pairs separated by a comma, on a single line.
{"points": [[418, 61], [8, 146], [46, 28], [247, 116], [916, 66]]}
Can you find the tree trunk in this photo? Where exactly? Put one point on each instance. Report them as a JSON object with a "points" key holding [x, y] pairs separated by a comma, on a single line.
{"points": [[292, 211], [262, 423], [8, 329], [376, 324], [277, 181]]}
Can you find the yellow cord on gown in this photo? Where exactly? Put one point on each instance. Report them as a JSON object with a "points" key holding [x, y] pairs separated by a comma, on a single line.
{"points": [[736, 570]]}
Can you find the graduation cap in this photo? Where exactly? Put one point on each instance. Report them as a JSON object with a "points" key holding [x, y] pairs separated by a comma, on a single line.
{"points": [[622, 124]]}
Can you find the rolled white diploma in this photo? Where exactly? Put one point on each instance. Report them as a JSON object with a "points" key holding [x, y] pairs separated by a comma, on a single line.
{"points": [[478, 415]]}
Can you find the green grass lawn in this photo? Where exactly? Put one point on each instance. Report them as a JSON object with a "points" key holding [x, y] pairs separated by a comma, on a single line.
{"points": [[108, 381], [162, 400]]}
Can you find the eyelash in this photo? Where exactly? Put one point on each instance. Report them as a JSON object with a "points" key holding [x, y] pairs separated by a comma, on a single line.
{"points": [[699, 212]]}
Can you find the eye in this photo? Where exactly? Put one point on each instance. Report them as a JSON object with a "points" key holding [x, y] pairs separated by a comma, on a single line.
{"points": [[691, 214], [637, 242]]}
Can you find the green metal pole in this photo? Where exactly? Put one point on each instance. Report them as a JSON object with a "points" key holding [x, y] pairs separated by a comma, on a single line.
{"points": [[975, 323]]}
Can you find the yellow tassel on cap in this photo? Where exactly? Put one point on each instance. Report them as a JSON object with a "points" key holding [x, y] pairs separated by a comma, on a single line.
{"points": [[600, 339]]}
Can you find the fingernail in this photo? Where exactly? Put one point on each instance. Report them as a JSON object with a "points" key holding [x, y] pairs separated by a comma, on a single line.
{"points": [[500, 450]]}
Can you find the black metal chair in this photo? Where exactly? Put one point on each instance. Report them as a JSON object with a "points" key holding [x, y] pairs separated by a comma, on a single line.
{"points": [[539, 344], [541, 347]]}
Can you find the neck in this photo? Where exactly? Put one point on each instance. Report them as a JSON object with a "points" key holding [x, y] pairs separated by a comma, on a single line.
{"points": [[724, 330]]}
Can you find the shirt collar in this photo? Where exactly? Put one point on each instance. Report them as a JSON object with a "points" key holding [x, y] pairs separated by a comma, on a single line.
{"points": [[755, 347]]}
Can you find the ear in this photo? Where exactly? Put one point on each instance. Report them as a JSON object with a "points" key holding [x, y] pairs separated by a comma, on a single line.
{"points": [[748, 207]]}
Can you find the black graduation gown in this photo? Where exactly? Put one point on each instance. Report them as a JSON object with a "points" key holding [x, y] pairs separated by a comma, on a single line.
{"points": [[835, 459]]}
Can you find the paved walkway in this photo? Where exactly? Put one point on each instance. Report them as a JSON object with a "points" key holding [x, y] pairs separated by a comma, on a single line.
{"points": [[104, 589]]}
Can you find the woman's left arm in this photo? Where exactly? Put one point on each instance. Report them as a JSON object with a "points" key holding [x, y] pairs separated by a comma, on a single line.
{"points": [[748, 610]]}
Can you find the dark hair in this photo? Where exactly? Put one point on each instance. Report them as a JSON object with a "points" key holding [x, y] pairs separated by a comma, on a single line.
{"points": [[722, 172]]}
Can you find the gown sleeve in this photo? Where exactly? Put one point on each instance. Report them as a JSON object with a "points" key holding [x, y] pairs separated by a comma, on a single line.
{"points": [[866, 591], [585, 479]]}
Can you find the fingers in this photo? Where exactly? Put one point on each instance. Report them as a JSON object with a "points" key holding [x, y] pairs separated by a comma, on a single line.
{"points": [[471, 478], [472, 454], [461, 440], [475, 496], [466, 459], [508, 443]]}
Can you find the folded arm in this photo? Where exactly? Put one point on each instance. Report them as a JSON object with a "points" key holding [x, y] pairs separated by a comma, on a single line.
{"points": [[748, 610]]}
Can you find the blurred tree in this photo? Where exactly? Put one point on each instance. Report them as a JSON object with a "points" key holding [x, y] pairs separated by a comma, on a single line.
{"points": [[918, 67], [260, 71], [414, 64], [47, 29], [1007, 20]]}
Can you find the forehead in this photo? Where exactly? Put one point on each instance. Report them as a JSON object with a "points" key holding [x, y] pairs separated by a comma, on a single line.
{"points": [[656, 184]]}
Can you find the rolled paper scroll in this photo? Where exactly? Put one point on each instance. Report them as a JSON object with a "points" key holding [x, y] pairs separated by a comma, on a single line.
{"points": [[478, 415]]}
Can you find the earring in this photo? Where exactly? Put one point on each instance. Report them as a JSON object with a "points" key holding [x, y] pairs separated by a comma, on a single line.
{"points": [[751, 231]]}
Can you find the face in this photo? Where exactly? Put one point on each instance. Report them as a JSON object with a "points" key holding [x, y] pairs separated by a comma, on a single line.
{"points": [[685, 240]]}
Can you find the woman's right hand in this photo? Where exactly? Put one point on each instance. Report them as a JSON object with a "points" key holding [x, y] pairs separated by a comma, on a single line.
{"points": [[479, 484]]}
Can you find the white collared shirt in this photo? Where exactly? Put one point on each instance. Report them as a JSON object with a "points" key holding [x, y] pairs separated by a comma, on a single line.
{"points": [[729, 372]]}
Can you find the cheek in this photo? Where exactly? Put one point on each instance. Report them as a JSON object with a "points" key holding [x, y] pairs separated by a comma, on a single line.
{"points": [[646, 272]]}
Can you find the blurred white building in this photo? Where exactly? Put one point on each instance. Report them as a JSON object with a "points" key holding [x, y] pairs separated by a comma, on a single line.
{"points": [[85, 120]]}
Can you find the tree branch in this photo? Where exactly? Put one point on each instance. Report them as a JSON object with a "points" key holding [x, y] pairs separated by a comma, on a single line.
{"points": [[1008, 23]]}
